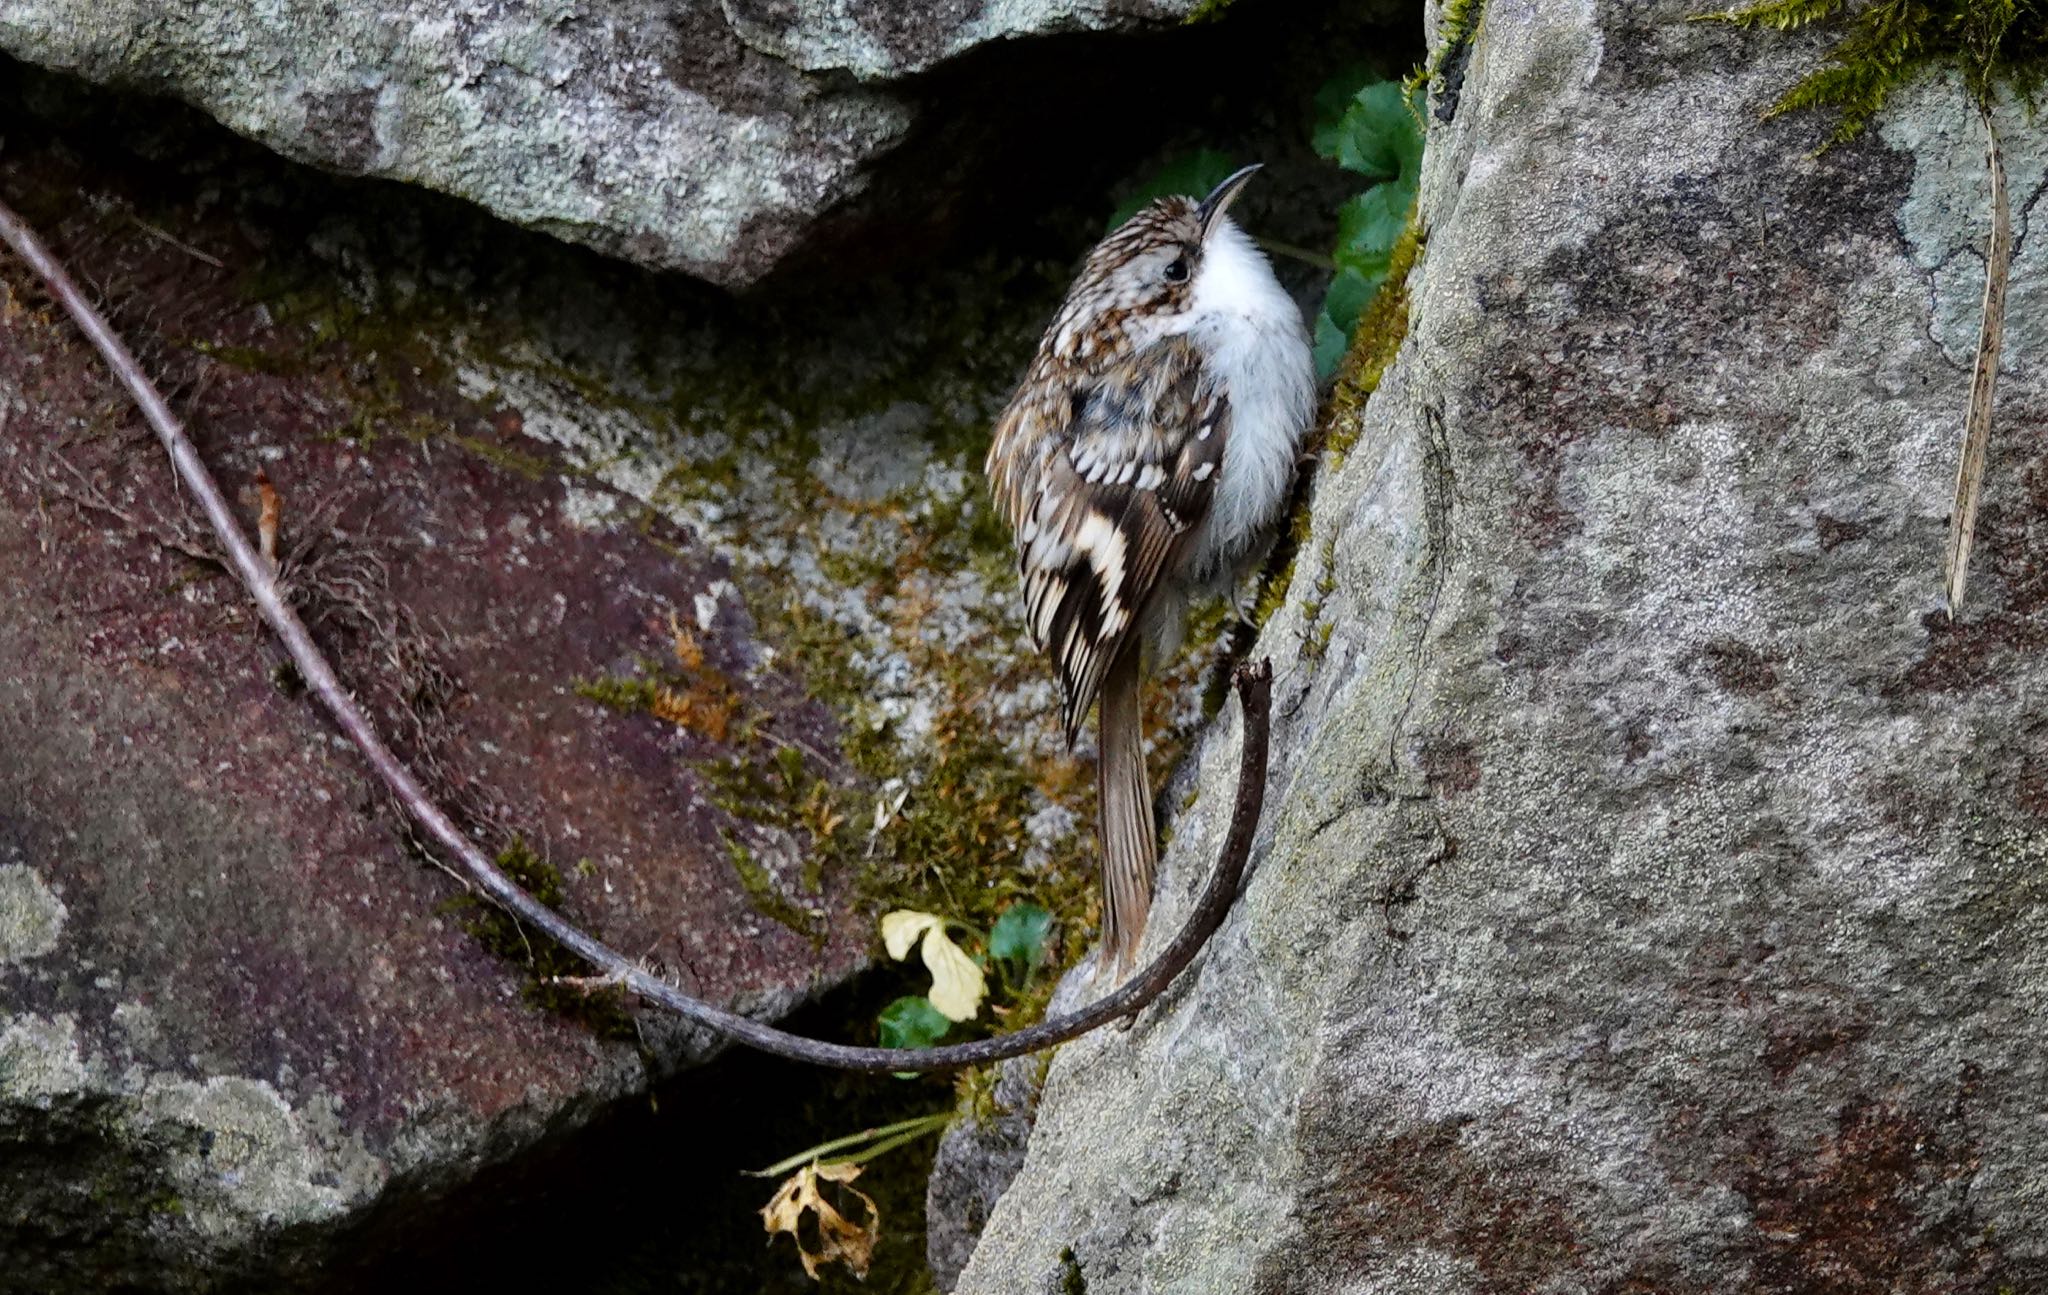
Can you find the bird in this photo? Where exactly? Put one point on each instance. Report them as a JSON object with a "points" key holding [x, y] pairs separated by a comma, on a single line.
{"points": [[1143, 461]]}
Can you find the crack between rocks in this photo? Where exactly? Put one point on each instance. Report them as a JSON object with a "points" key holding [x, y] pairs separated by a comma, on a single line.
{"points": [[2025, 222], [1439, 487]]}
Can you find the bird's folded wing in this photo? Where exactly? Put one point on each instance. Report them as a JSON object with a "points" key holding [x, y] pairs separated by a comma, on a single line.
{"points": [[1104, 503]]}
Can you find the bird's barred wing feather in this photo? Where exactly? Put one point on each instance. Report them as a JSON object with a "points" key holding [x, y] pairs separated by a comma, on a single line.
{"points": [[1105, 480]]}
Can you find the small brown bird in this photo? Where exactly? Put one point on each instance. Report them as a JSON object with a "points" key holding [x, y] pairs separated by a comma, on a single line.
{"points": [[1145, 458]]}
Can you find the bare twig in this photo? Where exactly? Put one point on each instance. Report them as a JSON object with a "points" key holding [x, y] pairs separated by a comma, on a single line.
{"points": [[165, 236], [1254, 687], [1962, 517]]}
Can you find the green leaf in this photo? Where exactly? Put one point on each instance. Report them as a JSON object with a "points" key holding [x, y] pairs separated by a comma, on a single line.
{"points": [[1331, 343], [1020, 934], [1369, 225], [1333, 100], [912, 1023], [1375, 129], [1193, 174], [1378, 135], [1350, 292]]}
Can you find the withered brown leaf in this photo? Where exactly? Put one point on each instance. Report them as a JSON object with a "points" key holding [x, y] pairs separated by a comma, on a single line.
{"points": [[839, 1239]]}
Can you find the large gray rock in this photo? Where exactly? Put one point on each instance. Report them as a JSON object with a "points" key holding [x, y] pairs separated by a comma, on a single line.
{"points": [[697, 136], [1654, 894]]}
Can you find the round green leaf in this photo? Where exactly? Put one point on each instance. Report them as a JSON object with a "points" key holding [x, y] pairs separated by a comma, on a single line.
{"points": [[1350, 292], [1331, 343], [1369, 225], [1020, 935], [912, 1023], [1378, 135], [1333, 101], [1391, 121]]}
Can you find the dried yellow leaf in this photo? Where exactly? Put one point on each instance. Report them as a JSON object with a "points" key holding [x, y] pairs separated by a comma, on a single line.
{"points": [[901, 928], [958, 985], [840, 1240]]}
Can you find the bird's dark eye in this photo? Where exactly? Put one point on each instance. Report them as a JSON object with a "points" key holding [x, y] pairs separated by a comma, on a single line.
{"points": [[1177, 270]]}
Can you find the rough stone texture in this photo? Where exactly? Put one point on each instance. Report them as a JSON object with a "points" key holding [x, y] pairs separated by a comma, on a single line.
{"points": [[979, 1156], [236, 1012], [976, 1162], [875, 39], [1654, 894], [698, 136]]}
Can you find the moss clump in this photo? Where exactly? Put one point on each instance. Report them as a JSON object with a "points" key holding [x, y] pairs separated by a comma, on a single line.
{"points": [[1381, 330], [548, 963], [1887, 43], [520, 464], [1457, 23], [620, 692], [1071, 1280]]}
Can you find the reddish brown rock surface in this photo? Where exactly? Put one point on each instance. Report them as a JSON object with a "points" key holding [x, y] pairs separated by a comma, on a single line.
{"points": [[234, 1004]]}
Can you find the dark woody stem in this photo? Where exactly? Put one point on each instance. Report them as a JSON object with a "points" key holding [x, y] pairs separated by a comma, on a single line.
{"points": [[1254, 688]]}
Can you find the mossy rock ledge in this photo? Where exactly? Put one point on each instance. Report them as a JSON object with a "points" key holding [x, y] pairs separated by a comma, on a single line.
{"points": [[1654, 889]]}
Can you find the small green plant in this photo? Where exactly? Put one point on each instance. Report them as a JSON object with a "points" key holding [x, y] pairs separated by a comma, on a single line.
{"points": [[1374, 128], [1017, 942], [911, 1022], [1013, 949]]}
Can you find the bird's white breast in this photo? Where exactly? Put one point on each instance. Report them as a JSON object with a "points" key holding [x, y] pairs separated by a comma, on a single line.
{"points": [[1257, 350]]}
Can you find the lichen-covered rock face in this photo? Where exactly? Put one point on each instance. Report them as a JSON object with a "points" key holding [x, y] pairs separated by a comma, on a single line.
{"points": [[697, 136], [1654, 892]]}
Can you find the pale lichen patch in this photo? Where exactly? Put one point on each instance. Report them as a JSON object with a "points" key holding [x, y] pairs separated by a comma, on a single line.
{"points": [[1944, 216], [252, 1156], [31, 915], [39, 1060]]}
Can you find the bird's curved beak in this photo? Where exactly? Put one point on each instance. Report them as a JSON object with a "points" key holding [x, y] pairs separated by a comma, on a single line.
{"points": [[1222, 196]]}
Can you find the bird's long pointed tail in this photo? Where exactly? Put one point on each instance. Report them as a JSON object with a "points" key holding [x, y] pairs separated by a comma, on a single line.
{"points": [[1130, 848]]}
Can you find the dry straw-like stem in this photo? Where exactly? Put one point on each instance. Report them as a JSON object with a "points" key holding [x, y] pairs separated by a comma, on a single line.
{"points": [[1962, 517], [1254, 689]]}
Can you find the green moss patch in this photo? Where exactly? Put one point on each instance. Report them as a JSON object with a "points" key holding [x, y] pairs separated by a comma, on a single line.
{"points": [[1885, 44]]}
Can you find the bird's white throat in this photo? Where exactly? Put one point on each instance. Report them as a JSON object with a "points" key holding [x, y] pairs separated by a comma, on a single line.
{"points": [[1257, 350]]}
